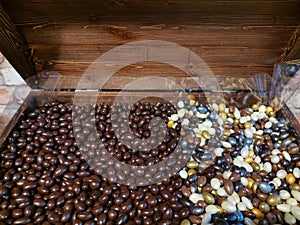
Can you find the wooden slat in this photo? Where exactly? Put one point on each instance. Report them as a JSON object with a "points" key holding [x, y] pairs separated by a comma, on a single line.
{"points": [[14, 47], [197, 11], [115, 34], [223, 60]]}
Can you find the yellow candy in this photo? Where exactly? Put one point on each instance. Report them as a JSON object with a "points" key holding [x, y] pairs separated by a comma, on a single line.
{"points": [[220, 209], [222, 107], [192, 102], [226, 132], [223, 116], [198, 134], [170, 123], [205, 134], [208, 198], [290, 178], [272, 114], [251, 153], [247, 125], [269, 109], [248, 159], [257, 136], [250, 182], [273, 200], [292, 138], [191, 172], [259, 215], [255, 107], [230, 115], [192, 164]]}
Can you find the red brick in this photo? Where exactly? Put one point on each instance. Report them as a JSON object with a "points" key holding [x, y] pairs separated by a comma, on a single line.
{"points": [[5, 97]]}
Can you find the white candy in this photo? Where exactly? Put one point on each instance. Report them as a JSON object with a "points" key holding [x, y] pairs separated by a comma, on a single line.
{"points": [[183, 174], [236, 197], [291, 201], [296, 212], [174, 117], [237, 162], [211, 131], [230, 198], [230, 120], [202, 142], [260, 132], [202, 116], [268, 125], [268, 167], [277, 181], [244, 181], [247, 167], [257, 159], [215, 107], [221, 192], [296, 172], [275, 159], [273, 120], [220, 121], [236, 113], [244, 152], [207, 123], [275, 151], [215, 183], [287, 156], [289, 219], [284, 207], [219, 151], [212, 209], [240, 158], [284, 194], [248, 221], [185, 122], [226, 144], [241, 206], [181, 113], [195, 197], [247, 202], [296, 195], [254, 116], [262, 109], [227, 174], [248, 133], [281, 174], [206, 219], [180, 104], [262, 115], [228, 206], [243, 119]]}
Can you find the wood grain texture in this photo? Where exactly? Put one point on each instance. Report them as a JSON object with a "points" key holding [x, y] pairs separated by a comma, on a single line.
{"points": [[14, 47], [292, 51], [235, 38]]}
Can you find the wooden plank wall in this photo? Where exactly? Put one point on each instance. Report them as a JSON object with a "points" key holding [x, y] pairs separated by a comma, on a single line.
{"points": [[235, 38]]}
